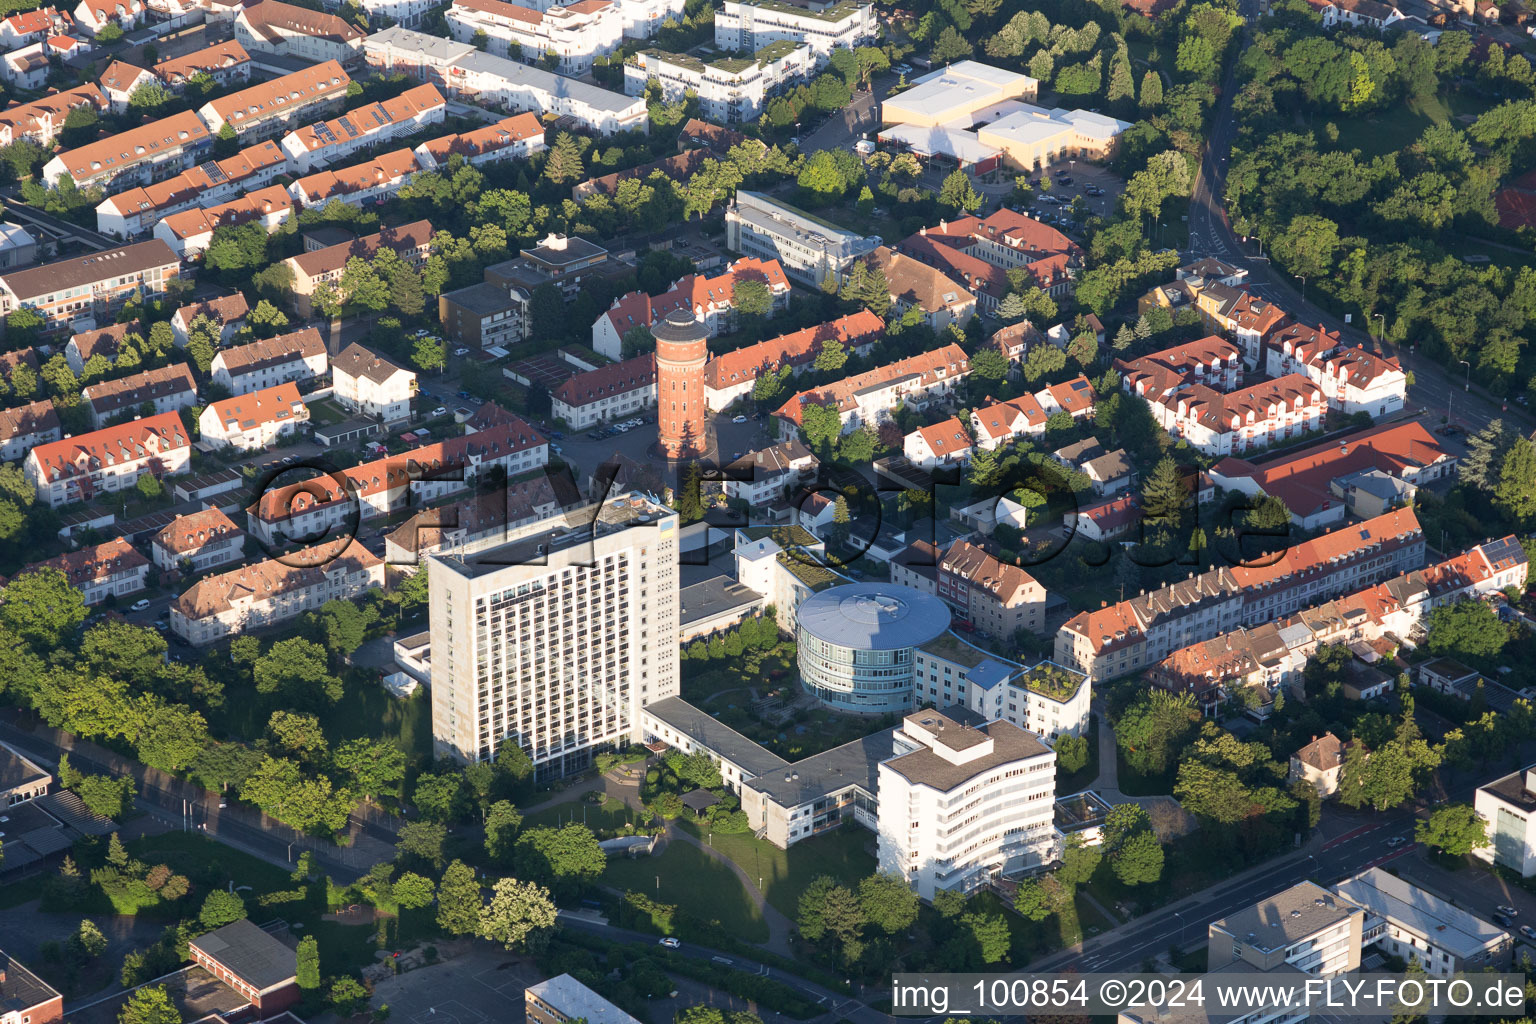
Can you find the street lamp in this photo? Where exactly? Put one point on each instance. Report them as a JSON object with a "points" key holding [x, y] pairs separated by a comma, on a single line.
{"points": [[1303, 287], [1180, 916], [1468, 365], [1383, 318]]}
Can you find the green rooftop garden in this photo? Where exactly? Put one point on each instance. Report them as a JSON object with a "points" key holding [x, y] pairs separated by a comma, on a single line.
{"points": [[837, 12], [1053, 681], [952, 648], [816, 577]]}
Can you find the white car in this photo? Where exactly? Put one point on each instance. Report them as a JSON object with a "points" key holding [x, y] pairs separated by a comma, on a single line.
{"points": [[461, 351], [738, 419], [141, 604], [440, 411], [669, 942], [421, 332]]}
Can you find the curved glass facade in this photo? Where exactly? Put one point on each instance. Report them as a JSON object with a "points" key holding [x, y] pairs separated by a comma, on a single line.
{"points": [[852, 679]]}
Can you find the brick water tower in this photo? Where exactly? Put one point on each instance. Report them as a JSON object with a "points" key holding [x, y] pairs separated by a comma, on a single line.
{"points": [[681, 351]]}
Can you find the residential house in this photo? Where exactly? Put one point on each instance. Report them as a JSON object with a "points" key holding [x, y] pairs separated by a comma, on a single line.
{"points": [[943, 444], [990, 594], [607, 393], [111, 459], [269, 108], [1320, 763], [372, 181], [113, 569], [296, 356], [768, 476], [325, 143], [79, 292], [912, 283], [732, 375], [372, 386], [41, 120], [120, 81], [100, 341], [91, 16], [979, 253], [868, 398], [24, 427], [198, 542], [137, 210], [711, 300], [226, 63], [190, 232], [165, 389], [273, 27], [228, 311], [322, 266], [137, 156], [254, 420], [512, 138]]}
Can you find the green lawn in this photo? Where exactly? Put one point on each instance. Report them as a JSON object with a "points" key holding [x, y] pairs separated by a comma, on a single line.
{"points": [[1397, 126], [609, 815], [207, 863], [688, 877], [787, 873], [365, 710]]}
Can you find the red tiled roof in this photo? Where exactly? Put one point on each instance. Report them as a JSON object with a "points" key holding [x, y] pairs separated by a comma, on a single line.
{"points": [[109, 446], [191, 532], [607, 381], [269, 405], [95, 562], [795, 349], [947, 361], [947, 438]]}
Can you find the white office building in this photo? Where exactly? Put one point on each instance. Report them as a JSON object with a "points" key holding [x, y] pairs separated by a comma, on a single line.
{"points": [[964, 801], [1508, 807], [1403, 920], [556, 638], [574, 34], [749, 25]]}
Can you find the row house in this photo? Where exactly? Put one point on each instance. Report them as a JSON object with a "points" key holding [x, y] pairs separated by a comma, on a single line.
{"points": [[41, 120], [29, 27], [27, 68], [120, 81], [79, 292], [115, 569], [767, 476], [869, 398], [296, 356], [275, 591], [372, 386], [224, 64], [265, 110], [498, 83], [574, 34], [993, 596], [1213, 361], [228, 311], [324, 143], [111, 459], [979, 253], [284, 30], [137, 210], [24, 427], [190, 232], [411, 242], [1106, 520], [747, 26], [732, 375], [941, 444], [137, 156], [166, 389], [1136, 633], [512, 138], [1351, 379], [198, 542], [1312, 481], [730, 90], [91, 16], [607, 394], [316, 507], [710, 299], [998, 423], [1370, 14], [255, 420], [371, 182], [83, 346], [1383, 616]]}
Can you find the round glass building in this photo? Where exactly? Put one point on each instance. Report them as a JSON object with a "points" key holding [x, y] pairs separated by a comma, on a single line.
{"points": [[856, 644]]}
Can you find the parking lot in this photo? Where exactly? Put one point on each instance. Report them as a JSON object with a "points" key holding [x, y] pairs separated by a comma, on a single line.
{"points": [[1083, 178]]}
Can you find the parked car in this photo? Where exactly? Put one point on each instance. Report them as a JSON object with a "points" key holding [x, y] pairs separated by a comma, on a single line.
{"points": [[1528, 931], [738, 419], [463, 394], [461, 351], [141, 604], [1503, 921], [1508, 910], [441, 410], [670, 942]]}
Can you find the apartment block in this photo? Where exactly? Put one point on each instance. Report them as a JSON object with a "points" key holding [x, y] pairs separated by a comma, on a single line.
{"points": [[513, 138], [41, 120], [272, 27], [99, 571], [268, 109], [749, 25], [807, 247], [165, 389], [77, 293], [963, 801], [111, 459], [24, 427], [224, 63], [372, 181], [328, 142], [978, 253], [137, 210], [990, 594], [137, 156], [1135, 634], [998, 424], [296, 356], [607, 394], [573, 34], [372, 386], [198, 542], [274, 591], [590, 607], [711, 299], [501, 84], [254, 420], [320, 266], [730, 90], [732, 375], [1047, 699], [1305, 928], [868, 398], [1352, 380], [190, 232]]}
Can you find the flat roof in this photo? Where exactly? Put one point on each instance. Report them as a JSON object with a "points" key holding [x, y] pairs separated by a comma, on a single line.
{"points": [[968, 85], [577, 1002], [958, 728], [831, 771], [748, 755], [483, 298], [557, 85], [951, 648], [713, 597], [1288, 916], [875, 616], [1411, 908], [1511, 789], [937, 140], [577, 526], [16, 770]]}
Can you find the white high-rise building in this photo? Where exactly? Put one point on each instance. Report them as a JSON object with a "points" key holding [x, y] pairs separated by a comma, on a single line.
{"points": [[556, 635], [964, 800]]}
